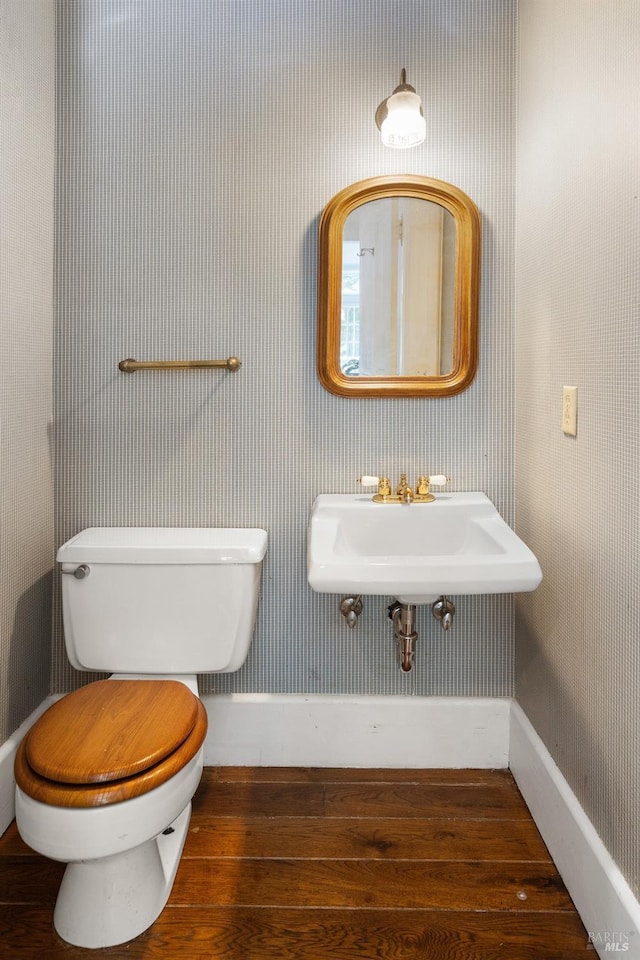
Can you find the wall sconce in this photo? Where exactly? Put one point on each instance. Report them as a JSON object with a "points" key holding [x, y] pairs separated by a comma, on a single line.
{"points": [[399, 118]]}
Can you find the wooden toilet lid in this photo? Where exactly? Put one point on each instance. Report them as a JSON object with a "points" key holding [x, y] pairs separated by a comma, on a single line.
{"points": [[111, 729]]}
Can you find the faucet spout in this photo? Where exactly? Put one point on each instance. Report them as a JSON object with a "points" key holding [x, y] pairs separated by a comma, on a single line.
{"points": [[404, 493]]}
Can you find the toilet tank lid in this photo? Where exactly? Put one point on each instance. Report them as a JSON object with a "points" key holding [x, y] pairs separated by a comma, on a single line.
{"points": [[165, 545]]}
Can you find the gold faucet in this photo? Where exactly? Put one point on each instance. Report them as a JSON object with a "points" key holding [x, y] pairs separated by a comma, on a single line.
{"points": [[404, 493]]}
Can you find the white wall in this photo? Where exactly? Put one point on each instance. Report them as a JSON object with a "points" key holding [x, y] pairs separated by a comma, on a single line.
{"points": [[578, 306], [198, 145], [27, 87]]}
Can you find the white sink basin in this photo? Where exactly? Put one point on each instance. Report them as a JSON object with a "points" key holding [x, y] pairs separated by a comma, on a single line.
{"points": [[459, 544]]}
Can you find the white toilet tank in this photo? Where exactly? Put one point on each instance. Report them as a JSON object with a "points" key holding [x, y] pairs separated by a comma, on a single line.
{"points": [[160, 600]]}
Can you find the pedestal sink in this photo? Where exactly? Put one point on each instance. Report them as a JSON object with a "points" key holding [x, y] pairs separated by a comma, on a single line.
{"points": [[459, 544]]}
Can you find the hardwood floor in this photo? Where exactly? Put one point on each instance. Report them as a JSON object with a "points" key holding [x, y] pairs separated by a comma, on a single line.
{"points": [[317, 864]]}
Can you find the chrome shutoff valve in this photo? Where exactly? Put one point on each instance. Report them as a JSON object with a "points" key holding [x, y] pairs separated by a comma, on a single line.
{"points": [[351, 608], [444, 610]]}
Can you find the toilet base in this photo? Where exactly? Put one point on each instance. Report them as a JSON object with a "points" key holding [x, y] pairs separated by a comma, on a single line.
{"points": [[102, 903]]}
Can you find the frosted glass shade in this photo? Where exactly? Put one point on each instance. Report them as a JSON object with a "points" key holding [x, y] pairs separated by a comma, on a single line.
{"points": [[404, 126]]}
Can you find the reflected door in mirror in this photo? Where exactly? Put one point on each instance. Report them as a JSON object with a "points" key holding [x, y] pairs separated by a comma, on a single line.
{"points": [[398, 261]]}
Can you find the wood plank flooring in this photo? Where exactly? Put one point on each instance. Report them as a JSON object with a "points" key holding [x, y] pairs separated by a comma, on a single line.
{"points": [[318, 864]]}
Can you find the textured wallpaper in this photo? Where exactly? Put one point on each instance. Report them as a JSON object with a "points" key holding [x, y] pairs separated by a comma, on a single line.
{"points": [[578, 214], [198, 144], [27, 75]]}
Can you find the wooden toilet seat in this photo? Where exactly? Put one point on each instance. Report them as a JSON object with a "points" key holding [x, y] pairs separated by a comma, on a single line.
{"points": [[110, 741]]}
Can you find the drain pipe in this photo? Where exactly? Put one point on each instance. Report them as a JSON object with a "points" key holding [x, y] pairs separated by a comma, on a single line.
{"points": [[403, 616]]}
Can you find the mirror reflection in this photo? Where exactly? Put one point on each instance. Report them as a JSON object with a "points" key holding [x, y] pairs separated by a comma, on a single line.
{"points": [[398, 269]]}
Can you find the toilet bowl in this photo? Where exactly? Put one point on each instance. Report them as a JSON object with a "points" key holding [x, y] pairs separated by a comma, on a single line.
{"points": [[105, 778], [122, 835]]}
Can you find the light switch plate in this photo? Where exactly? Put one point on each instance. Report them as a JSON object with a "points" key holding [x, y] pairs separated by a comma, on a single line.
{"points": [[570, 411]]}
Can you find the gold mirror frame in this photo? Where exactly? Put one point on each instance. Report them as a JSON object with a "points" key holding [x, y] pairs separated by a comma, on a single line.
{"points": [[467, 271]]}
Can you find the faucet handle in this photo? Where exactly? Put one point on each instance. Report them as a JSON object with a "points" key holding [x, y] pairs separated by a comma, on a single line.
{"points": [[423, 493], [422, 486], [384, 487]]}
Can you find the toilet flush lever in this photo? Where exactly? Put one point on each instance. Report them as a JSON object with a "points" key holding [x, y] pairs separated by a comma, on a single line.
{"points": [[80, 572]]}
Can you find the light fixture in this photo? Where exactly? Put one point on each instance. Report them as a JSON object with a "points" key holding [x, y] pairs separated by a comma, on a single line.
{"points": [[399, 118]]}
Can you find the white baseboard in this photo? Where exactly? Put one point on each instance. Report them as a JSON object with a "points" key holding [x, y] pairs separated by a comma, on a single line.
{"points": [[604, 900], [330, 731], [345, 731], [8, 752]]}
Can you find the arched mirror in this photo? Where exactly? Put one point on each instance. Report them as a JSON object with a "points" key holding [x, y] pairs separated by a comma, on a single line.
{"points": [[399, 260]]}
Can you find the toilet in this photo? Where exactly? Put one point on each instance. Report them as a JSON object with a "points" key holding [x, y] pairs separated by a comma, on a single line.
{"points": [[105, 778]]}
